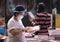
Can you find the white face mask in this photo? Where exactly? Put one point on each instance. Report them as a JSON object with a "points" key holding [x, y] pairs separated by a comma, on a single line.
{"points": [[19, 17]]}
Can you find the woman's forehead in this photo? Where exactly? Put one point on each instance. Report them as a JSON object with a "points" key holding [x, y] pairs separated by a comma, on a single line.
{"points": [[22, 12], [19, 12]]}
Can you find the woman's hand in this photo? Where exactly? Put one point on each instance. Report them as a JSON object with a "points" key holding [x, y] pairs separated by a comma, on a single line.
{"points": [[28, 28], [49, 28]]}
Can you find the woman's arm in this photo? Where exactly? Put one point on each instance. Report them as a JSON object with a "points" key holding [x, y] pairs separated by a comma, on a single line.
{"points": [[15, 32]]}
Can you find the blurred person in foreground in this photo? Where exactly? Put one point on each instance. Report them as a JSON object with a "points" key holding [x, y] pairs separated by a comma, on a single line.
{"points": [[42, 18], [16, 29]]}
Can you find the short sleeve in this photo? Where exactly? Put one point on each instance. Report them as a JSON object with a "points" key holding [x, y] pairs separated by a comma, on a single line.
{"points": [[10, 25]]}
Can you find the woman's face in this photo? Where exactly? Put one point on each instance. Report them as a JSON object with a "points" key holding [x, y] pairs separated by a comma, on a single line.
{"points": [[21, 13]]}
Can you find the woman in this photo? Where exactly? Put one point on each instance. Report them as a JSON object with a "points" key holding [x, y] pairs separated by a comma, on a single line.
{"points": [[15, 27]]}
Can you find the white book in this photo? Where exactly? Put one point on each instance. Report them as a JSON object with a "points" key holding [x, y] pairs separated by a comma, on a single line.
{"points": [[37, 28]]}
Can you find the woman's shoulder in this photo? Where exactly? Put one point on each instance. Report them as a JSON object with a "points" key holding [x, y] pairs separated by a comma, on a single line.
{"points": [[10, 20]]}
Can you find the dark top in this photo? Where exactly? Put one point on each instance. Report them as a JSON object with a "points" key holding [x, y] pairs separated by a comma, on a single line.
{"points": [[43, 19]]}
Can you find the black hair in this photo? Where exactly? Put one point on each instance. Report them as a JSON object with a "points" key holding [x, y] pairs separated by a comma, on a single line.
{"points": [[16, 14], [41, 7]]}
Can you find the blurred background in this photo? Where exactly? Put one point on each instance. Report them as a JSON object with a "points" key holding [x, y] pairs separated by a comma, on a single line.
{"points": [[6, 6]]}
